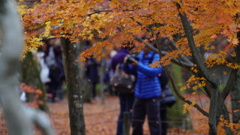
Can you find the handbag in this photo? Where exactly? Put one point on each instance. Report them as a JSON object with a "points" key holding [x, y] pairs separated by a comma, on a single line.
{"points": [[122, 82], [167, 97]]}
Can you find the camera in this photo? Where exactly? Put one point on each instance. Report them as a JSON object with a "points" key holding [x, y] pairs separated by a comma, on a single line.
{"points": [[131, 58]]}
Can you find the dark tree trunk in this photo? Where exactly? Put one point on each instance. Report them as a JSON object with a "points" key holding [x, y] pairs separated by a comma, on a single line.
{"points": [[75, 96], [102, 71], [223, 112], [235, 98], [31, 77], [199, 60], [235, 92]]}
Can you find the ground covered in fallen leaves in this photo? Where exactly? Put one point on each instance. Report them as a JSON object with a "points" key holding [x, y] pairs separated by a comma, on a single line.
{"points": [[101, 119]]}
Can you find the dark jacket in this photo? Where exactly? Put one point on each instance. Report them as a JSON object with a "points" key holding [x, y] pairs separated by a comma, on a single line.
{"points": [[91, 67], [147, 84]]}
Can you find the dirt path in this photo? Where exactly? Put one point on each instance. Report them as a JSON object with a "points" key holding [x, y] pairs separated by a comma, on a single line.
{"points": [[101, 119]]}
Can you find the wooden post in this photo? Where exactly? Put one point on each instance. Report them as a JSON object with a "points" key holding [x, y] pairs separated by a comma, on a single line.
{"points": [[126, 123]]}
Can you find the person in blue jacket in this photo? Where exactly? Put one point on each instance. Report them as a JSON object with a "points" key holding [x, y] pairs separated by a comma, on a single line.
{"points": [[147, 91]]}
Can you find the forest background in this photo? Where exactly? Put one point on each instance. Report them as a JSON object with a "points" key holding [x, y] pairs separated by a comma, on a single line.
{"points": [[193, 26]]}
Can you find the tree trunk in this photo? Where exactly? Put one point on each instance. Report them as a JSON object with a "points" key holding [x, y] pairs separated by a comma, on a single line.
{"points": [[31, 76], [199, 60], [101, 75], [75, 97], [236, 88], [235, 92], [235, 98], [223, 112]]}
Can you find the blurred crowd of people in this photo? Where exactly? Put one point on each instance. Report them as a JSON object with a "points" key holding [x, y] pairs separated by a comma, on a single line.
{"points": [[144, 100], [49, 57]]}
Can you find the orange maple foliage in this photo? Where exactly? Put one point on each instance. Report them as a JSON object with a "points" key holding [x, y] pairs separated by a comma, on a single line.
{"points": [[120, 20], [28, 89], [79, 19]]}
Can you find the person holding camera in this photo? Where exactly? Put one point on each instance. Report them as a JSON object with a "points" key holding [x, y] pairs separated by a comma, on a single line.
{"points": [[147, 91], [125, 99]]}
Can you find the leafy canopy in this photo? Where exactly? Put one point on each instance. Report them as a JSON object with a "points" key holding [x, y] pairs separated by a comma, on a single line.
{"points": [[121, 20]]}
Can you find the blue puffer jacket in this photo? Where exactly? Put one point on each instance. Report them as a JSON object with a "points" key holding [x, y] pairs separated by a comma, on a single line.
{"points": [[147, 85]]}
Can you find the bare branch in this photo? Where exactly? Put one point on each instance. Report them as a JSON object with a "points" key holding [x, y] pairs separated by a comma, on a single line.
{"points": [[202, 70]]}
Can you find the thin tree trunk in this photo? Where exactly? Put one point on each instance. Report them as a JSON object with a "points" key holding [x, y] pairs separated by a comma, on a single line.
{"points": [[75, 96], [222, 108], [204, 72], [235, 98], [235, 92], [223, 112], [102, 71]]}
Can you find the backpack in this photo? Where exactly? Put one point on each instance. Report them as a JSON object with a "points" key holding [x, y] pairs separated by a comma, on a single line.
{"points": [[167, 98], [122, 82]]}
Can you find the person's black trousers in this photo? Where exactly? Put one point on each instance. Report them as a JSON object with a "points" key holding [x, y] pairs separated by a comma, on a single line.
{"points": [[126, 103], [149, 107], [163, 116]]}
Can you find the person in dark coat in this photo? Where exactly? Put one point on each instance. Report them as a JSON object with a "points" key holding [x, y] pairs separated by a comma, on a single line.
{"points": [[56, 73], [58, 55], [91, 66], [91, 71], [125, 100]]}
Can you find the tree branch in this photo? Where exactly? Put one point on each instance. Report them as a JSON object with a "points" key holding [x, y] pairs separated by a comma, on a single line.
{"points": [[203, 71], [195, 52], [176, 91], [229, 85], [185, 63]]}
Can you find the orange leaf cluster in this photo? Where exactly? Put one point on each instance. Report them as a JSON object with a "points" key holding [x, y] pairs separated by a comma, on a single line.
{"points": [[119, 20], [194, 83], [224, 123], [28, 89]]}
